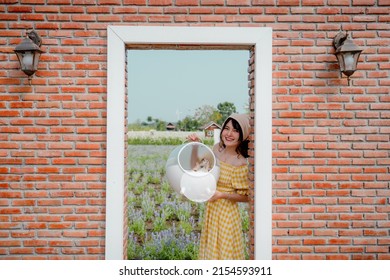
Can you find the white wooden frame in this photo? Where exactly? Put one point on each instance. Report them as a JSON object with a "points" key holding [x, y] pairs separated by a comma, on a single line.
{"points": [[118, 38]]}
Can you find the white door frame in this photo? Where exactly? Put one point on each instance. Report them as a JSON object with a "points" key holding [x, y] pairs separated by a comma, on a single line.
{"points": [[118, 38]]}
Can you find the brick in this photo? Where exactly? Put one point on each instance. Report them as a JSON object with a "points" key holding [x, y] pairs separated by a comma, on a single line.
{"points": [[46, 251], [160, 2], [60, 243]]}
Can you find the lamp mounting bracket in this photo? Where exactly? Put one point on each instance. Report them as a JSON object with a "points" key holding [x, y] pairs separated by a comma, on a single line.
{"points": [[339, 39], [33, 35]]}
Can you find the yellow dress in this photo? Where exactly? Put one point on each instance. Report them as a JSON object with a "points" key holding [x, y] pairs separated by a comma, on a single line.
{"points": [[221, 236]]}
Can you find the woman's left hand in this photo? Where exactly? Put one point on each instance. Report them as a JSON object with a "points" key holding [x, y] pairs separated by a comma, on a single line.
{"points": [[234, 197]]}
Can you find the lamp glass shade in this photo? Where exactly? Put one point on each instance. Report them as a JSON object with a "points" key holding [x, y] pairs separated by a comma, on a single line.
{"points": [[348, 61], [28, 60], [28, 54]]}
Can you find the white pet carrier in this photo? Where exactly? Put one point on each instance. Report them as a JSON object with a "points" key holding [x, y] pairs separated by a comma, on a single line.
{"points": [[186, 177]]}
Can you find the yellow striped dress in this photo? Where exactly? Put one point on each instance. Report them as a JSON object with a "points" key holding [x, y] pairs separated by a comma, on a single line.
{"points": [[221, 236]]}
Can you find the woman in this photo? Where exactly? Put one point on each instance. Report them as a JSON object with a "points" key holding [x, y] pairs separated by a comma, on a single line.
{"points": [[221, 236]]}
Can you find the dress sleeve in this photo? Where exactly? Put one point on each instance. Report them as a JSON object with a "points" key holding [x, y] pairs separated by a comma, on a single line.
{"points": [[240, 180]]}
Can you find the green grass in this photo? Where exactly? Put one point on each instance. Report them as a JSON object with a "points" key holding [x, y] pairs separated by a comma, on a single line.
{"points": [[162, 141]]}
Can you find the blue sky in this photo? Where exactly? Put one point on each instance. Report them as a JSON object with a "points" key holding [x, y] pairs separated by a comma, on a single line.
{"points": [[171, 84]]}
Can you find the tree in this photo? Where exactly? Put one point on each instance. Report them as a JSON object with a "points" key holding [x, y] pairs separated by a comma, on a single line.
{"points": [[188, 124], [217, 117], [152, 123], [160, 125], [226, 109], [205, 114]]}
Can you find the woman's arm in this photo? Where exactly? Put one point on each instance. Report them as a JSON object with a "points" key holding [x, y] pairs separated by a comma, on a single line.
{"points": [[194, 154], [229, 196]]}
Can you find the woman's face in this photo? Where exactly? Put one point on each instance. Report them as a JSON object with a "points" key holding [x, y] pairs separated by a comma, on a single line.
{"points": [[230, 135]]}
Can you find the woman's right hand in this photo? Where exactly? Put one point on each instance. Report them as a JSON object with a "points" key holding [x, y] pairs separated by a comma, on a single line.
{"points": [[193, 138]]}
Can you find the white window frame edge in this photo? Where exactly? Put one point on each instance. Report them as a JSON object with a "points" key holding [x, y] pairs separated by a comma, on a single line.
{"points": [[118, 38]]}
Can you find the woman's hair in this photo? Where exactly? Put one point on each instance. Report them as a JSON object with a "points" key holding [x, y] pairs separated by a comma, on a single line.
{"points": [[242, 148]]}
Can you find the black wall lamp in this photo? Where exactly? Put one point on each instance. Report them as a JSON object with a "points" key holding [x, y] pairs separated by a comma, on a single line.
{"points": [[347, 53], [28, 53]]}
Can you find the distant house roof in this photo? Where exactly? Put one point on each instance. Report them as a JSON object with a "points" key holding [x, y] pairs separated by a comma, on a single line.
{"points": [[211, 125], [170, 126]]}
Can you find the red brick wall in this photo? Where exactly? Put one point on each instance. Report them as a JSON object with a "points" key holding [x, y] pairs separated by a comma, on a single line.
{"points": [[331, 142], [251, 86]]}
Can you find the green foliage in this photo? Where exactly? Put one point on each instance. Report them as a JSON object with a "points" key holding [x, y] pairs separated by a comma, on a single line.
{"points": [[154, 141], [202, 116], [244, 217], [159, 222], [149, 124], [163, 141], [189, 124], [184, 211], [165, 245], [154, 178], [137, 226], [159, 197], [148, 206], [226, 109], [138, 188], [186, 226]]}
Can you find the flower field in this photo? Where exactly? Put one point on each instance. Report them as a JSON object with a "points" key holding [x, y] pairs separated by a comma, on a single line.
{"points": [[163, 225]]}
